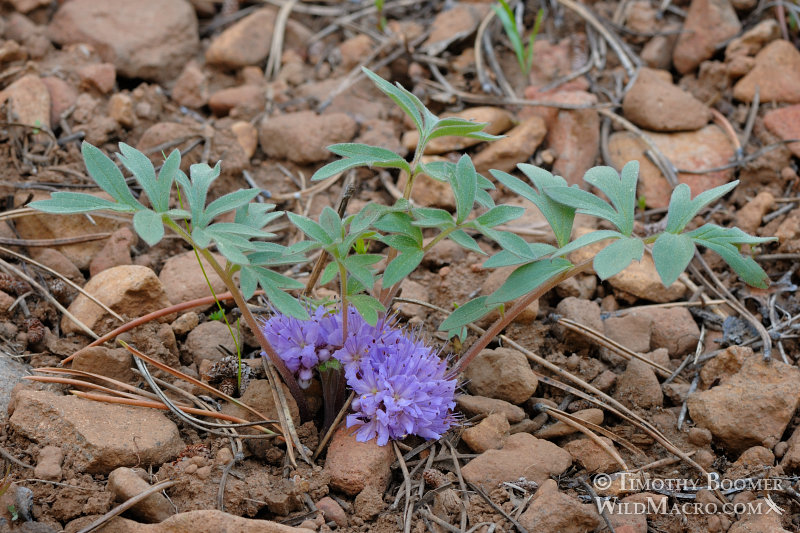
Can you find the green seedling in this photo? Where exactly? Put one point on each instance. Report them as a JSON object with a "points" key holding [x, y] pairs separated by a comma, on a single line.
{"points": [[512, 28]]}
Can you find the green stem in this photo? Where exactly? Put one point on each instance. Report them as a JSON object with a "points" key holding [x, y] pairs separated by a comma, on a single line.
{"points": [[343, 288]]}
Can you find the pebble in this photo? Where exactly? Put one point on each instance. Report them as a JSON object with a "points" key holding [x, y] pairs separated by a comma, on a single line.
{"points": [[369, 503], [456, 22], [503, 374], [769, 406], [354, 465], [98, 76], [54, 259], [113, 363], [183, 279], [584, 312], [631, 330], [605, 380], [301, 137], [137, 436], [776, 74], [481, 405], [638, 386], [552, 510], [250, 99], [518, 146], [28, 101], [211, 520], [48, 466], [785, 123], [657, 52], [247, 136], [115, 252], [414, 291], [489, 434], [575, 139], [707, 147], [129, 290], [124, 483], [498, 121], [139, 44], [591, 456], [708, 23], [354, 50], [751, 462], [185, 323], [63, 95], [204, 340], [655, 104], [522, 456], [331, 510], [120, 108], [765, 522], [191, 87], [699, 436], [672, 328], [753, 40], [562, 429]]}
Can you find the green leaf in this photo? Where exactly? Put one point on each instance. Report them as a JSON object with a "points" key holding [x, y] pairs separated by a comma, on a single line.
{"points": [[587, 239], [619, 188], [357, 155], [232, 253], [166, 177], [144, 172], [585, 202], [284, 303], [310, 228], [226, 203], [368, 307], [358, 267], [400, 96], [400, 223], [202, 175], [616, 257], [329, 273], [507, 240], [459, 127], [64, 203], [465, 185], [466, 314], [149, 226], [726, 242], [671, 254], [526, 278], [461, 238], [107, 176], [402, 266], [248, 282], [500, 214], [330, 222], [426, 217], [682, 209], [507, 18], [537, 250]]}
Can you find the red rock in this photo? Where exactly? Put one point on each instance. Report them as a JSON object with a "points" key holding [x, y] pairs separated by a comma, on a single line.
{"points": [[302, 137], [489, 434], [183, 279], [210, 520], [674, 329], [354, 50], [591, 455], [191, 87], [57, 261], [575, 139], [562, 429], [481, 405], [113, 363], [584, 312], [116, 252], [101, 76], [552, 510], [501, 373], [753, 40], [749, 217], [785, 123], [638, 386], [708, 23], [776, 73], [249, 97], [26, 6], [331, 510], [630, 330], [247, 137], [120, 108], [124, 483], [658, 105], [203, 341], [519, 144], [150, 39], [522, 456], [457, 22], [62, 97], [28, 101], [48, 466], [354, 465]]}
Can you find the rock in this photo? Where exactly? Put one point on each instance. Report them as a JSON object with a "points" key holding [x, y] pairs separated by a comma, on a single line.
{"points": [[259, 396], [185, 323], [130, 290], [114, 363], [552, 510], [26, 6], [151, 39], [99, 76], [498, 121], [657, 52], [354, 465], [210, 520], [753, 40], [248, 41], [605, 381], [658, 105], [183, 278], [591, 455], [354, 50], [247, 136], [562, 429], [47, 226], [489, 434], [137, 436], [575, 139], [724, 366], [48, 466], [204, 340], [584, 312], [115, 252], [493, 282], [748, 218], [480, 405], [251, 98], [699, 437], [124, 483], [791, 456], [191, 87], [771, 392], [705, 148], [708, 23], [301, 137], [776, 74], [519, 144], [522, 456], [62, 96], [673, 328], [456, 22], [785, 123], [28, 101], [444, 252], [57, 261], [369, 503], [638, 386], [414, 291], [331, 510], [503, 374], [750, 463], [120, 108], [631, 330], [767, 521]]}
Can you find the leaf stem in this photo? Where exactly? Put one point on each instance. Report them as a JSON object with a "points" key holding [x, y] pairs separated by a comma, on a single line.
{"points": [[343, 288]]}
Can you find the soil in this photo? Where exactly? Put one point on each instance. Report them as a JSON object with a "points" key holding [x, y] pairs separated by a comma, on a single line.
{"points": [[204, 91]]}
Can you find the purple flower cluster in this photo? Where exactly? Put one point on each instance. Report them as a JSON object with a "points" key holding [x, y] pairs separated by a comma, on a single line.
{"points": [[400, 383]]}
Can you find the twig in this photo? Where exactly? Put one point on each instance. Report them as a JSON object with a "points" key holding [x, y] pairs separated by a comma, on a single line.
{"points": [[121, 508]]}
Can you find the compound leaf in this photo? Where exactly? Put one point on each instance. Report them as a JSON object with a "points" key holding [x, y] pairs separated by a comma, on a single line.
{"points": [[616, 257]]}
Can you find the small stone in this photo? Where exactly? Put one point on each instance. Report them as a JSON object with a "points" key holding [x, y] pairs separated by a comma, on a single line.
{"points": [[631, 330], [673, 328], [751, 462], [657, 52], [354, 50], [708, 23], [203, 342], [129, 290], [498, 121], [99, 76], [522, 456], [748, 218], [575, 139], [638, 386], [308, 525], [414, 291], [26, 6], [584, 312], [791, 454], [453, 23], [699, 436], [519, 144], [54, 259], [250, 98], [120, 108], [489, 434], [552, 510], [82, 429], [724, 366], [185, 323], [369, 503], [753, 40], [591, 456], [776, 74], [247, 136], [785, 123], [124, 483], [354, 465], [764, 522], [116, 252], [62, 97], [331, 510], [183, 279], [113, 363], [301, 137], [562, 429], [49, 464], [605, 380], [658, 105], [770, 404], [191, 87], [503, 374], [211, 520], [480, 405], [28, 101]]}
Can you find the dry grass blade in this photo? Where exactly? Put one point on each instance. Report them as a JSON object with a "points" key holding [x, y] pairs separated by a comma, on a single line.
{"points": [[47, 243], [407, 483], [276, 48], [581, 426], [121, 508], [284, 416], [86, 384]]}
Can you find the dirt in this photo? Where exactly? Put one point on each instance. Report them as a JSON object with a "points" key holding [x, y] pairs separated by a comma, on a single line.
{"points": [[195, 80]]}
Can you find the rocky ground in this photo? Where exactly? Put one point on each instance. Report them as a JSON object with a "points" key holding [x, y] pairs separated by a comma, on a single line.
{"points": [[700, 92]]}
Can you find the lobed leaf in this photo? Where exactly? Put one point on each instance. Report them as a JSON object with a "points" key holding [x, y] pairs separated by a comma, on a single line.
{"points": [[107, 176], [682, 208], [149, 226], [368, 307], [464, 182], [142, 169], [672, 254], [616, 257], [527, 278], [619, 188], [401, 97], [65, 203], [465, 314]]}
